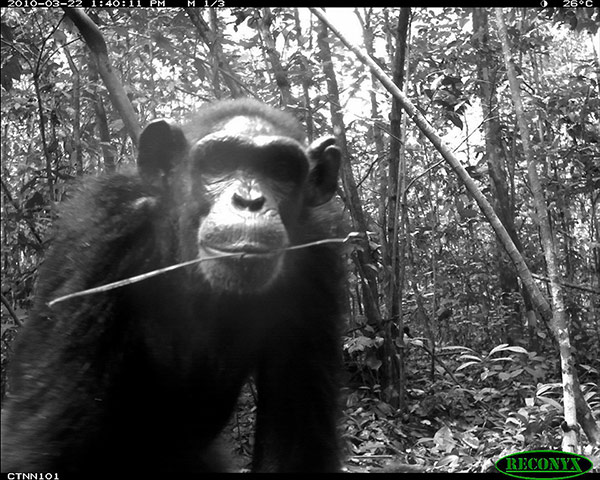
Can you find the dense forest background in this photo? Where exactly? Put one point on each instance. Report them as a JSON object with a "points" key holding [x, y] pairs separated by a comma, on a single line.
{"points": [[461, 344]]}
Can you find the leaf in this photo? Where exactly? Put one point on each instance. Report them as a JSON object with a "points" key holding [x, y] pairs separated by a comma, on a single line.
{"points": [[546, 387], [444, 439], [502, 359], [456, 120], [552, 402], [465, 365], [117, 124], [373, 362], [451, 348], [517, 350], [11, 70], [499, 348], [6, 32], [163, 42], [447, 461], [423, 440], [60, 37], [120, 30], [470, 357], [469, 439]]}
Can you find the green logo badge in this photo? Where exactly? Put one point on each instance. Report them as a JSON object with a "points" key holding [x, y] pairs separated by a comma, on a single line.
{"points": [[544, 464]]}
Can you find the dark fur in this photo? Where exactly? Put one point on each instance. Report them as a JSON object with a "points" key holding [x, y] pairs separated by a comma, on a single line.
{"points": [[143, 378]]}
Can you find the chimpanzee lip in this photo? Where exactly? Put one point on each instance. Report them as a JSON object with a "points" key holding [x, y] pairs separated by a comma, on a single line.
{"points": [[247, 248]]}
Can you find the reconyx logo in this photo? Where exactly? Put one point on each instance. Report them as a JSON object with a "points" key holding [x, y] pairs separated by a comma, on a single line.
{"points": [[543, 464]]}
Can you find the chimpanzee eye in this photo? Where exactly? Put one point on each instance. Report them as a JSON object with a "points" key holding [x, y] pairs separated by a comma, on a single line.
{"points": [[283, 170], [214, 165], [216, 159], [287, 165]]}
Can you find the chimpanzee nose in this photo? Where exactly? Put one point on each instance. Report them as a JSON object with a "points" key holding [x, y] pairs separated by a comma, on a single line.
{"points": [[249, 197]]}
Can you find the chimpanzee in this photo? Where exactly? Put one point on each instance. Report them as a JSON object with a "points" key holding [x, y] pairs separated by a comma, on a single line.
{"points": [[143, 378]]}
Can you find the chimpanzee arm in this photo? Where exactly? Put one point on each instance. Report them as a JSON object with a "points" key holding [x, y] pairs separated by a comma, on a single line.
{"points": [[77, 344], [298, 389], [297, 407]]}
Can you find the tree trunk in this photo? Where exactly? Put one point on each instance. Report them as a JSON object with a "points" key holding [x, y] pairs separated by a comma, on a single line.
{"points": [[396, 205], [264, 27], [559, 326], [108, 154], [305, 81], [75, 157], [362, 256], [95, 42], [221, 67], [486, 72]]}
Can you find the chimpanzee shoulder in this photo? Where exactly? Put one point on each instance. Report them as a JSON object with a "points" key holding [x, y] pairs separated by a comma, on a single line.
{"points": [[104, 217]]}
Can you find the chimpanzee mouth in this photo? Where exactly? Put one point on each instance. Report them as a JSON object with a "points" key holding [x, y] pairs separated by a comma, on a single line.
{"points": [[253, 249]]}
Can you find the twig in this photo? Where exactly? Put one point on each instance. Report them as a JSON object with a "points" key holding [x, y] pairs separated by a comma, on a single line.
{"points": [[569, 285], [11, 312], [153, 273]]}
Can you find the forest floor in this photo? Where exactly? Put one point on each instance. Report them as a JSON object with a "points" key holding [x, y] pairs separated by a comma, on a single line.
{"points": [[454, 436]]}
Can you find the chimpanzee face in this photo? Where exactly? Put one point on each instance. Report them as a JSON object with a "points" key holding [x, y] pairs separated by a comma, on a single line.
{"points": [[254, 183]]}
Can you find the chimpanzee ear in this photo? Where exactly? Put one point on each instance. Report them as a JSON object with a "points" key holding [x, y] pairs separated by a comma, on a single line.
{"points": [[324, 159], [161, 144]]}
